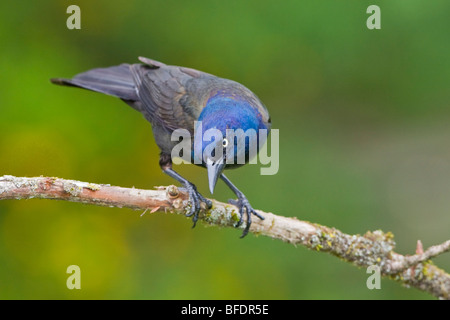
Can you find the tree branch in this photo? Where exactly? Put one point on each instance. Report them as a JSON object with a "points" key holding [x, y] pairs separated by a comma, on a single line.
{"points": [[373, 248]]}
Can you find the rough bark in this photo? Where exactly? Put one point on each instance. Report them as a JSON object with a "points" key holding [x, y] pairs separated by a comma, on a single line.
{"points": [[371, 249]]}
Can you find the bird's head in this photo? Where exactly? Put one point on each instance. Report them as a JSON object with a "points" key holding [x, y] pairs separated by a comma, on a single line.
{"points": [[228, 134]]}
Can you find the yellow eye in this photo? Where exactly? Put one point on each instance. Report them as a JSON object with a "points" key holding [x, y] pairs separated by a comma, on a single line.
{"points": [[225, 142]]}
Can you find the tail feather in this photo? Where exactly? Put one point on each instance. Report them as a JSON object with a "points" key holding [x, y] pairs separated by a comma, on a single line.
{"points": [[116, 81]]}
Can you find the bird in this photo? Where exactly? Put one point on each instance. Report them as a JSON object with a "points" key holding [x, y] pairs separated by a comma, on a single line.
{"points": [[175, 98]]}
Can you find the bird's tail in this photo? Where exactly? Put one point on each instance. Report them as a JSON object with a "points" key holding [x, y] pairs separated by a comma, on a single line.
{"points": [[116, 81]]}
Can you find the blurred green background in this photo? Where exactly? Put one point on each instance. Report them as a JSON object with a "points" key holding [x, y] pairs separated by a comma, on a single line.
{"points": [[364, 144]]}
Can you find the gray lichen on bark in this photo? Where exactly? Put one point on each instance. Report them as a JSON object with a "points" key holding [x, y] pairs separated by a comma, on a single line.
{"points": [[372, 248]]}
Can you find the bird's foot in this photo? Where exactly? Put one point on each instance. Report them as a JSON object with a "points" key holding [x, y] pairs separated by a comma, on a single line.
{"points": [[195, 199], [244, 206]]}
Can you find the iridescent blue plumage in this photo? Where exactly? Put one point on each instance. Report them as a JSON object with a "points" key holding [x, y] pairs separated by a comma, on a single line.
{"points": [[231, 113], [171, 98]]}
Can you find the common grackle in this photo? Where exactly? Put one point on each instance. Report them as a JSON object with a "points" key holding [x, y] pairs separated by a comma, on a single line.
{"points": [[171, 98]]}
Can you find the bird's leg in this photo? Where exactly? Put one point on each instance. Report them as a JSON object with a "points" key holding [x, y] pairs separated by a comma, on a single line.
{"points": [[194, 196], [243, 204]]}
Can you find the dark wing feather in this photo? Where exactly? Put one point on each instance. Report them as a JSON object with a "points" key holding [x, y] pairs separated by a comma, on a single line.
{"points": [[162, 91]]}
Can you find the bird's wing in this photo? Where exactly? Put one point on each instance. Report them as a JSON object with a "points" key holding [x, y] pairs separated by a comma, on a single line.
{"points": [[162, 91]]}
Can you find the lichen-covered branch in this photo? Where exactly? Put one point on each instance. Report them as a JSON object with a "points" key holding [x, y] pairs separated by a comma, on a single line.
{"points": [[372, 248]]}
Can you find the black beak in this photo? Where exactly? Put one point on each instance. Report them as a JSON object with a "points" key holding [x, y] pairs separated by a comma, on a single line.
{"points": [[215, 169]]}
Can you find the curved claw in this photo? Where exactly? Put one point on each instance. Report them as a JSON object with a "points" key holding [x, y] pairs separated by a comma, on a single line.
{"points": [[196, 199], [244, 206]]}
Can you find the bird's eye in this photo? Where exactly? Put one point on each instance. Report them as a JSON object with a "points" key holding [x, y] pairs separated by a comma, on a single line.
{"points": [[225, 142]]}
